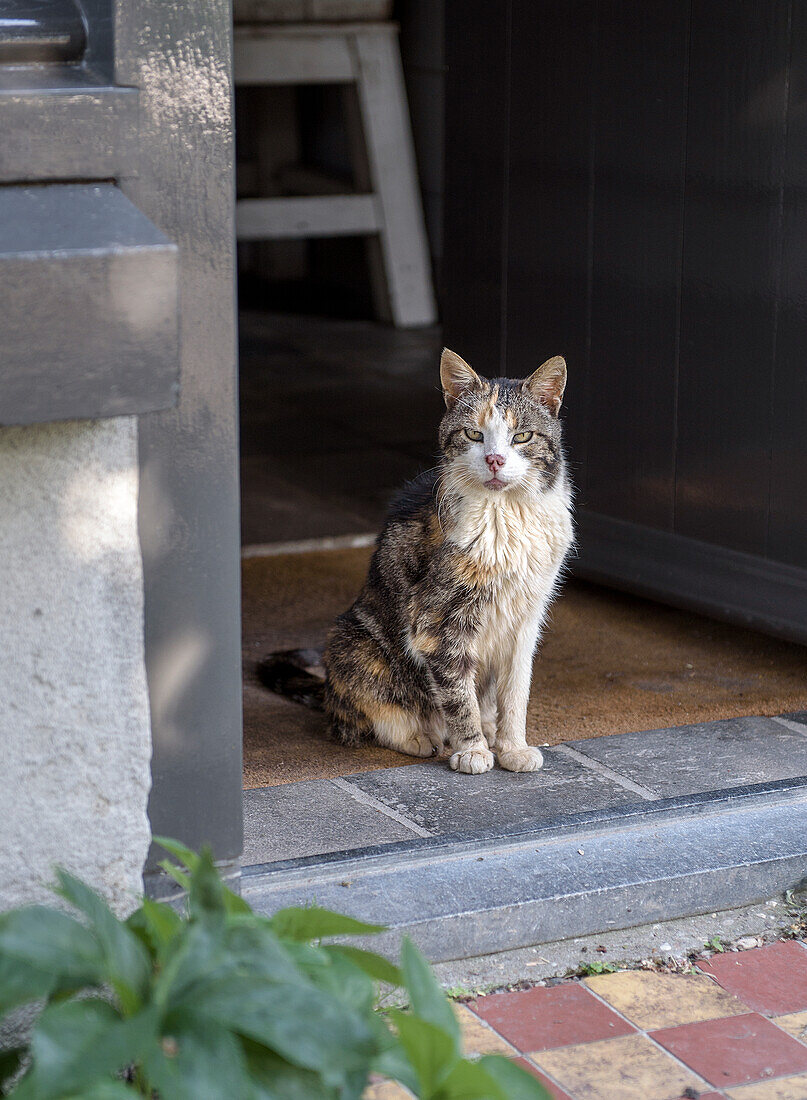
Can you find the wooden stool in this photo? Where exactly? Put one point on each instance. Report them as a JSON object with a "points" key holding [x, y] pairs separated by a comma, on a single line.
{"points": [[387, 208]]}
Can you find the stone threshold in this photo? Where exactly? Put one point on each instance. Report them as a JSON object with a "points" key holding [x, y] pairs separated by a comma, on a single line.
{"points": [[613, 832]]}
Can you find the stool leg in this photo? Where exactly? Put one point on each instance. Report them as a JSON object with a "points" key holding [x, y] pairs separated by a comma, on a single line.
{"points": [[391, 161], [363, 182]]}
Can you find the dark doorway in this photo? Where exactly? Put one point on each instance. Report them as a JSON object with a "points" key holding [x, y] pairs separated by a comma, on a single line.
{"points": [[637, 206], [338, 410]]}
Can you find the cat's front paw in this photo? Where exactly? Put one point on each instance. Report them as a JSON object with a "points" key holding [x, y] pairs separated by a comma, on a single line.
{"points": [[521, 760], [418, 744], [472, 761]]}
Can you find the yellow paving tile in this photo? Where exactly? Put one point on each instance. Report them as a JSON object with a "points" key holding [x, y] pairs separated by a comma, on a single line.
{"points": [[477, 1037], [652, 1000], [786, 1088], [795, 1024], [631, 1068], [386, 1090]]}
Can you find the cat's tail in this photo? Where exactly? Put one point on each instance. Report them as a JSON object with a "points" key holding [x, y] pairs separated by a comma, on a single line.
{"points": [[289, 674]]}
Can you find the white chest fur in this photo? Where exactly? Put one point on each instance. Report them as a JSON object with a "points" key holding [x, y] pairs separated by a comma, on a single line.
{"points": [[516, 536], [520, 544]]}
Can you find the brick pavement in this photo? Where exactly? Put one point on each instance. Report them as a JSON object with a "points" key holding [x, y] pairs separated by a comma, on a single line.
{"points": [[736, 1029]]}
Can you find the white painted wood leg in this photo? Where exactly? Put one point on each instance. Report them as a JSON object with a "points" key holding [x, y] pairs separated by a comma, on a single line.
{"points": [[363, 179], [391, 159]]}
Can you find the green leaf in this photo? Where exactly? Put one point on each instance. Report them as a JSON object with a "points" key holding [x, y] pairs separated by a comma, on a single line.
{"points": [[347, 982], [305, 1025], [42, 950], [256, 950], [106, 1090], [426, 997], [127, 965], [186, 856], [75, 1044], [21, 983], [10, 1062], [353, 1087], [180, 877], [197, 961], [469, 1081], [206, 891], [431, 1051], [376, 966], [516, 1083], [196, 1060], [156, 925], [274, 1078], [233, 902], [394, 1063], [313, 923]]}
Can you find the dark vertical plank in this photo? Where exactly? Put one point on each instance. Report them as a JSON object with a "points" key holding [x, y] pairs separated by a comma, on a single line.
{"points": [[549, 193], [639, 140], [738, 63], [476, 91], [787, 535]]}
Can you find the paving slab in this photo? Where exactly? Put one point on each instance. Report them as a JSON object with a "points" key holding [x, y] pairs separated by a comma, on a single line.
{"points": [[445, 802], [461, 898], [708, 756], [311, 818], [612, 832], [624, 947]]}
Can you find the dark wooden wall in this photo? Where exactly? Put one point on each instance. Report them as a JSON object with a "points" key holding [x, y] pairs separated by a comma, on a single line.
{"points": [[626, 184]]}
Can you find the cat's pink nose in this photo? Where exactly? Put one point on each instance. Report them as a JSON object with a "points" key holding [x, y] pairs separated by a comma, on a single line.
{"points": [[495, 462]]}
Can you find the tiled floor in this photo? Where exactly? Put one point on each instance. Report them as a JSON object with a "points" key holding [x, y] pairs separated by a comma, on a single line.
{"points": [[737, 1029]]}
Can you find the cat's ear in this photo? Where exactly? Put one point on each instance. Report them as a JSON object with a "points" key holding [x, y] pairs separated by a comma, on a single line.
{"points": [[547, 384], [456, 376]]}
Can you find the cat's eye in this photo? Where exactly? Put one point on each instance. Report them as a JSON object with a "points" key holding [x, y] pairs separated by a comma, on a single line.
{"points": [[523, 437], [474, 435]]}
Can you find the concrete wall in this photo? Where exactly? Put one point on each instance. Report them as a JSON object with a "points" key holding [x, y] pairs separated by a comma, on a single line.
{"points": [[74, 712]]}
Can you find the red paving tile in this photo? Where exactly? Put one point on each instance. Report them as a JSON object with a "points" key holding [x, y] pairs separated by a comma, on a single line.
{"points": [[734, 1050], [554, 1091], [771, 980], [547, 1017]]}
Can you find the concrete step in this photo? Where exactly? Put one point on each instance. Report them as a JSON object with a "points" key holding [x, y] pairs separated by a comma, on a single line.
{"points": [[573, 874]]}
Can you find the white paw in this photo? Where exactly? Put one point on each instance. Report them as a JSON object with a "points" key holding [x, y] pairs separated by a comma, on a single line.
{"points": [[419, 744], [472, 762], [521, 760]]}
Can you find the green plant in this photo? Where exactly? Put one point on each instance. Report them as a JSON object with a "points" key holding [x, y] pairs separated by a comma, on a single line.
{"points": [[715, 944], [461, 993], [224, 1003], [589, 968]]}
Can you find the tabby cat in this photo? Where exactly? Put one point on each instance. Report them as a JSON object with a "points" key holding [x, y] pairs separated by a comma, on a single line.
{"points": [[438, 647]]}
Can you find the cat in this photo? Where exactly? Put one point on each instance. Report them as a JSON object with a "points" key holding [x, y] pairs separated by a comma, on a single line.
{"points": [[438, 647]]}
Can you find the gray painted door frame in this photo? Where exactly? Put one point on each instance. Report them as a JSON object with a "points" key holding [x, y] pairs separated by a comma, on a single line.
{"points": [[178, 54], [124, 108]]}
